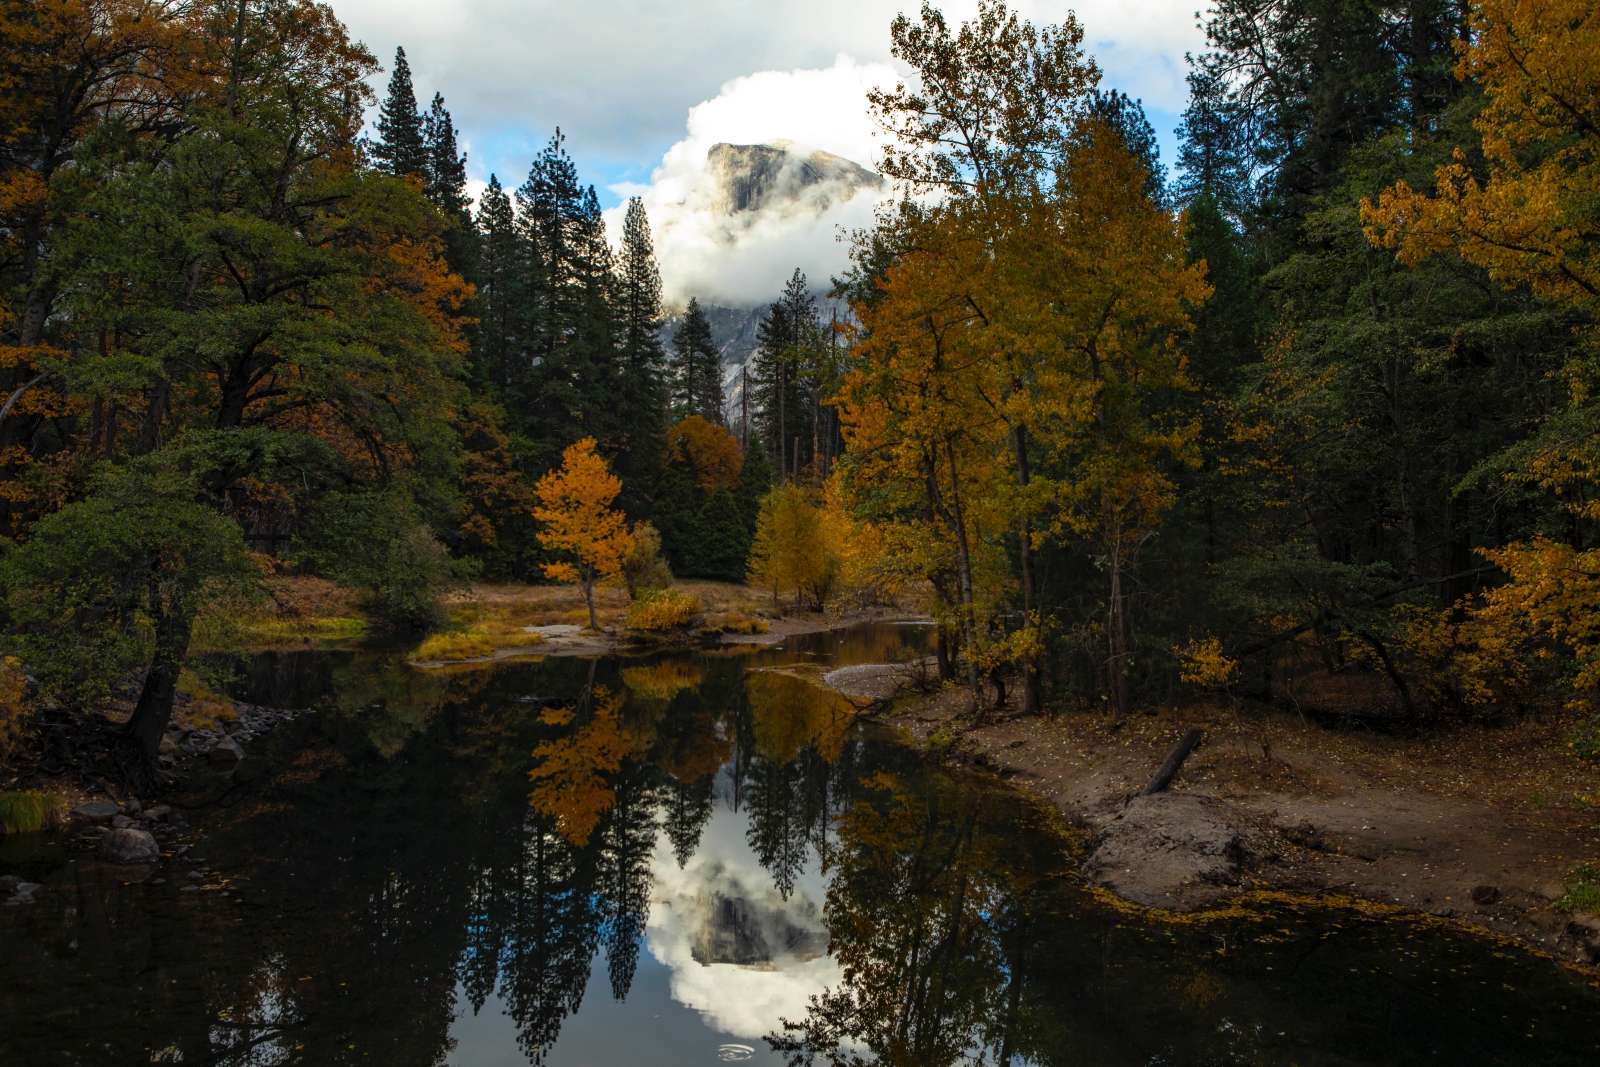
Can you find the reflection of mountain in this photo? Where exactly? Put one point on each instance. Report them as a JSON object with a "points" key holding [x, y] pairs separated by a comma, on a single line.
{"points": [[773, 177], [739, 951], [737, 929]]}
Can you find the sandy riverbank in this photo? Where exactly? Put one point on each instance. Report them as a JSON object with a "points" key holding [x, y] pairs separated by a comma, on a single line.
{"points": [[1466, 822]]}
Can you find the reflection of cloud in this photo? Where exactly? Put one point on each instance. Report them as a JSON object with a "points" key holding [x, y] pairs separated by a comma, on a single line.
{"points": [[731, 220], [721, 905]]}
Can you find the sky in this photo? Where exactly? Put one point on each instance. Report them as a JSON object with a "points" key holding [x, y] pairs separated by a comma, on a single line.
{"points": [[638, 87]]}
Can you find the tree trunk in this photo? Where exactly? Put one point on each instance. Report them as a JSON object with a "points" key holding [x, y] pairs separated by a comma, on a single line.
{"points": [[1027, 666], [965, 558], [154, 710], [1116, 621], [1173, 763], [588, 599]]}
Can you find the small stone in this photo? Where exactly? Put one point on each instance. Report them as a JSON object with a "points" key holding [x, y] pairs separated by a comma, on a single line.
{"points": [[196, 875], [227, 752], [94, 833], [158, 813], [190, 889], [120, 822], [129, 846], [158, 881], [133, 807], [97, 810]]}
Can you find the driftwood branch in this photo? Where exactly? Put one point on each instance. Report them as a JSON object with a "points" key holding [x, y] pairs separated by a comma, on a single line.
{"points": [[1174, 760]]}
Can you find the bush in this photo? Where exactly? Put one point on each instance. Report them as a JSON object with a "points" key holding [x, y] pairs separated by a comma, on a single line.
{"points": [[13, 703], [644, 571], [664, 610], [29, 811], [734, 623], [1584, 743]]}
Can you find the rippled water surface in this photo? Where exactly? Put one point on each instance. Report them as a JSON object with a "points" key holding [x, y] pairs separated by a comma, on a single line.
{"points": [[712, 862]]}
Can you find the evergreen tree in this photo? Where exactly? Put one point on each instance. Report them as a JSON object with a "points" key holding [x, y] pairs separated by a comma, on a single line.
{"points": [[400, 147], [567, 388], [1214, 154], [755, 482], [697, 368], [1126, 116], [643, 401], [500, 274], [679, 501], [446, 185], [787, 345], [724, 545]]}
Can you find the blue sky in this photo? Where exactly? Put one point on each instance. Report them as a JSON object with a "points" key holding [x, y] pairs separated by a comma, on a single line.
{"points": [[620, 76]]}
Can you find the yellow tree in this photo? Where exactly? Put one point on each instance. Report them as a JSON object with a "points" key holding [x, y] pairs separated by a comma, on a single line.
{"points": [[579, 522], [1530, 221], [790, 550]]}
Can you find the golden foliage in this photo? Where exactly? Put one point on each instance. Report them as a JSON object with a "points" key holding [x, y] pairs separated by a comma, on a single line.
{"points": [[1533, 221], [792, 550], [666, 609], [569, 782], [1203, 663], [13, 703], [711, 450], [644, 568], [661, 681], [575, 508], [791, 713], [493, 491]]}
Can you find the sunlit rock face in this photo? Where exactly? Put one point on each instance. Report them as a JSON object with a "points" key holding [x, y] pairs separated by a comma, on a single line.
{"points": [[739, 952], [777, 178]]}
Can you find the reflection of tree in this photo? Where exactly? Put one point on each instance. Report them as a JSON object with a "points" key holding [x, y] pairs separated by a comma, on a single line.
{"points": [[627, 839], [927, 918], [688, 809], [569, 773]]}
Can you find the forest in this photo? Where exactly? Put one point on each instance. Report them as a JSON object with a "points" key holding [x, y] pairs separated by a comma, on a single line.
{"points": [[1310, 409]]}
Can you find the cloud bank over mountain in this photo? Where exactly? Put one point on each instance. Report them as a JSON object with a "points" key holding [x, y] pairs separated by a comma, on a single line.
{"points": [[773, 172]]}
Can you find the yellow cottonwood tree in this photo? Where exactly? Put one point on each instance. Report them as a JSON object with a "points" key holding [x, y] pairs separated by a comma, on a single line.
{"points": [[578, 521]]}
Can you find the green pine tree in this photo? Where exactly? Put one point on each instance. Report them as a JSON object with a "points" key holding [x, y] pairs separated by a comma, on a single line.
{"points": [[697, 368], [400, 148], [643, 399], [724, 545], [678, 503], [499, 274], [446, 184], [755, 482]]}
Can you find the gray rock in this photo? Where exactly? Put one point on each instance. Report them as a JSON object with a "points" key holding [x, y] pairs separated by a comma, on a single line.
{"points": [[133, 807], [129, 846], [169, 747], [120, 822], [93, 833], [158, 813], [9, 883], [227, 752], [23, 894], [97, 810]]}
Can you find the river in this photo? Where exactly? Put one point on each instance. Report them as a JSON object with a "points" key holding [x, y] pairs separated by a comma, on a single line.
{"points": [[714, 862]]}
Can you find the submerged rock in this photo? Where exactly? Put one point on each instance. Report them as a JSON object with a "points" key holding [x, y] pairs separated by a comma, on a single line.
{"points": [[98, 810], [129, 846]]}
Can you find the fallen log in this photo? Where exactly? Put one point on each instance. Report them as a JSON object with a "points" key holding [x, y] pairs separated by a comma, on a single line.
{"points": [[1174, 760]]}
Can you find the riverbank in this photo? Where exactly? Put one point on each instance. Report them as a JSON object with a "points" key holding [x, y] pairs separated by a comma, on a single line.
{"points": [[1473, 823]]}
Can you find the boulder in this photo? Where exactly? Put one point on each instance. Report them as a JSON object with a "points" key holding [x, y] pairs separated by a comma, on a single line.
{"points": [[129, 846], [23, 894], [97, 810], [227, 752], [169, 747]]}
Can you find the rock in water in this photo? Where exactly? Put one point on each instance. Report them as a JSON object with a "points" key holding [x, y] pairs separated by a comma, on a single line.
{"points": [[97, 810], [129, 846], [227, 752]]}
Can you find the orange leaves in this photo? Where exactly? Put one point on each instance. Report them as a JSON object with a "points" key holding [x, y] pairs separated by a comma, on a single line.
{"points": [[1533, 222], [710, 450], [569, 781], [575, 508]]}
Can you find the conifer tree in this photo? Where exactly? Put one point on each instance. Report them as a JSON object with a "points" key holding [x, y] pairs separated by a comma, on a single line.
{"points": [[755, 482], [676, 516], [499, 275], [787, 340], [697, 368], [643, 401], [400, 146], [724, 545]]}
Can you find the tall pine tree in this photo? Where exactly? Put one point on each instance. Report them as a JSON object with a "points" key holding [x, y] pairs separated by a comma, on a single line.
{"points": [[499, 349], [788, 343], [446, 184], [400, 149], [697, 368], [643, 400]]}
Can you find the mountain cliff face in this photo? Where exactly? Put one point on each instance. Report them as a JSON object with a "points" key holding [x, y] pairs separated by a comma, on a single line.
{"points": [[777, 177]]}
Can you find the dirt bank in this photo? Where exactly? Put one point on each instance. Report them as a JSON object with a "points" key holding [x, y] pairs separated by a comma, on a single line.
{"points": [[1468, 822]]}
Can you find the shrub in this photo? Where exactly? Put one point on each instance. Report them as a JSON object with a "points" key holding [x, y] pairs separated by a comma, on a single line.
{"points": [[734, 623], [28, 811], [644, 571], [475, 642], [1584, 743], [13, 703], [664, 610], [1583, 890]]}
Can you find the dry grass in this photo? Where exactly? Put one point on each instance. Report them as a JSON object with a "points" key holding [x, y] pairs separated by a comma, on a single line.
{"points": [[667, 609], [475, 642], [300, 609], [28, 811]]}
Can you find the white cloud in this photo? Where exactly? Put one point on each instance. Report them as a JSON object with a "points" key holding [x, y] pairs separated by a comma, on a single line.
{"points": [[745, 258]]}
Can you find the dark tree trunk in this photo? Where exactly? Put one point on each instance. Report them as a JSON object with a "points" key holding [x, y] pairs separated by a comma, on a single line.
{"points": [[154, 710]]}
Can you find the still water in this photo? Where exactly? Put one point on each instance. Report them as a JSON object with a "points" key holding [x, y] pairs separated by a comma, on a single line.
{"points": [[712, 862]]}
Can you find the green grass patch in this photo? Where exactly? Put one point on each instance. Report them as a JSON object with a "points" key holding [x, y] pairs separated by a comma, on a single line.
{"points": [[1583, 890], [28, 811], [332, 628]]}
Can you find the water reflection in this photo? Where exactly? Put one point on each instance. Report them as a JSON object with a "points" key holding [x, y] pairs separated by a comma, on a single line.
{"points": [[711, 844]]}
